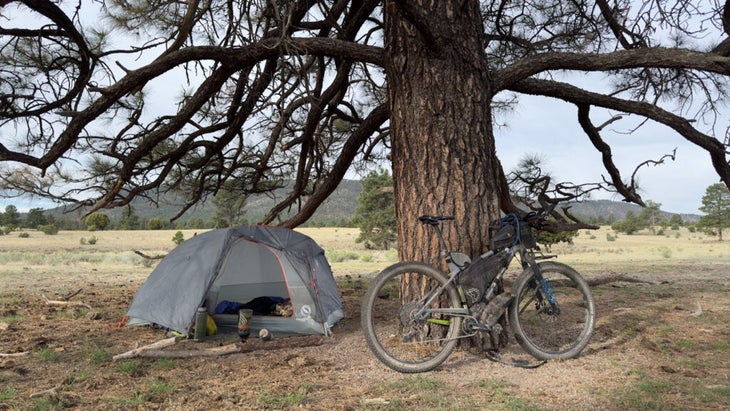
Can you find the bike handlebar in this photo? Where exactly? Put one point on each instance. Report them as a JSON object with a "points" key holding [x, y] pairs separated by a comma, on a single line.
{"points": [[536, 218]]}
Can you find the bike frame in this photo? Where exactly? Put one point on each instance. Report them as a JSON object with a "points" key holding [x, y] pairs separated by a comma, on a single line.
{"points": [[458, 261]]}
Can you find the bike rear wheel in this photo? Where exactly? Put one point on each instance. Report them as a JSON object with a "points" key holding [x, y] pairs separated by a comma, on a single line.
{"points": [[556, 331], [401, 329]]}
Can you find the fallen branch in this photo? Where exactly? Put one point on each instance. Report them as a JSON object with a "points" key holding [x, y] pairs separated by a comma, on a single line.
{"points": [[149, 257], [73, 294], [612, 278], [208, 352], [62, 303], [137, 352], [52, 392], [14, 354], [234, 348], [697, 313]]}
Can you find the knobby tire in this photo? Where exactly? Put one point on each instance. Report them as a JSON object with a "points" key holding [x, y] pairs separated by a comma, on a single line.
{"points": [[543, 331], [398, 340]]}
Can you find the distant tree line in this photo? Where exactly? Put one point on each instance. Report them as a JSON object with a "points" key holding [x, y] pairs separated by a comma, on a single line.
{"points": [[650, 217], [374, 216], [715, 205], [39, 219], [11, 220]]}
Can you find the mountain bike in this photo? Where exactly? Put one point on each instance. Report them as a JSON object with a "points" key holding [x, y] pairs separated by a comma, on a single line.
{"points": [[413, 315]]}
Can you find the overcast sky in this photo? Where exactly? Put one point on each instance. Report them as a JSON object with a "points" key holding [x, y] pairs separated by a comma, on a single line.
{"points": [[549, 129]]}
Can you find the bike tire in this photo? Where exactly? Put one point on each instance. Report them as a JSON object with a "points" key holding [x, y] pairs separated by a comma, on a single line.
{"points": [[398, 340], [544, 333]]}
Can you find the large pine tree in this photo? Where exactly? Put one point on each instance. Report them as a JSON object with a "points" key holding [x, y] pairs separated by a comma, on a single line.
{"points": [[272, 94]]}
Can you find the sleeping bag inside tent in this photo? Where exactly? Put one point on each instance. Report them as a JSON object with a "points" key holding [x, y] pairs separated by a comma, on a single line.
{"points": [[281, 274]]}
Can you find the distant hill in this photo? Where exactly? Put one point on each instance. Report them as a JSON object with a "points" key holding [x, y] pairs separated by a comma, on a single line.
{"points": [[341, 205], [615, 210]]}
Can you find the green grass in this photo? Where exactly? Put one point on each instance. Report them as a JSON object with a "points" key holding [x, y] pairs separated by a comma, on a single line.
{"points": [[684, 344], [133, 402], [99, 356], [130, 367], [423, 392], [269, 399], [159, 390], [156, 392], [71, 313], [8, 299], [9, 319], [708, 392], [47, 355], [77, 377], [7, 395], [49, 403], [652, 393], [503, 399], [166, 363]]}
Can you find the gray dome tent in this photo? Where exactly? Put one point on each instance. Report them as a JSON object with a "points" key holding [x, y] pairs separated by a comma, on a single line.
{"points": [[240, 264]]}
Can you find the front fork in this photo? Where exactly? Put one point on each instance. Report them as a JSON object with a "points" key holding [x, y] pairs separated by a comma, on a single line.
{"points": [[548, 293]]}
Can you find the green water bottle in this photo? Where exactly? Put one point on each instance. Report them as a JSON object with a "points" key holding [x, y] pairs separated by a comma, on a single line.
{"points": [[201, 319]]}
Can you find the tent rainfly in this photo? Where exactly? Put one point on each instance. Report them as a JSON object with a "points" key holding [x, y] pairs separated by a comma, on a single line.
{"points": [[238, 265]]}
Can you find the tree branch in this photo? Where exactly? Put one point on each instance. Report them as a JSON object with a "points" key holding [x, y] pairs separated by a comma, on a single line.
{"points": [[577, 96], [656, 57]]}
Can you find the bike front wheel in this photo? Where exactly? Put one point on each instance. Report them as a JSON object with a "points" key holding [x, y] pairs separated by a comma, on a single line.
{"points": [[552, 319], [411, 317]]}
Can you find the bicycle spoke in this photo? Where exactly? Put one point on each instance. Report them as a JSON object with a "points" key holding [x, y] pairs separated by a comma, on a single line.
{"points": [[553, 331], [404, 333]]}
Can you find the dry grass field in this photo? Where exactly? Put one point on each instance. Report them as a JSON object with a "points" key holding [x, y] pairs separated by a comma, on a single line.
{"points": [[660, 344]]}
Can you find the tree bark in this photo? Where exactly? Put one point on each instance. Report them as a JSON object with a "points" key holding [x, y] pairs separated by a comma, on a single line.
{"points": [[443, 152]]}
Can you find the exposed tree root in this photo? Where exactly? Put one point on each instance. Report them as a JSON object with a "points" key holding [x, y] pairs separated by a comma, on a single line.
{"points": [[613, 278]]}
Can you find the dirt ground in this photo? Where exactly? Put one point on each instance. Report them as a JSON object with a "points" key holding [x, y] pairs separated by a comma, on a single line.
{"points": [[658, 345]]}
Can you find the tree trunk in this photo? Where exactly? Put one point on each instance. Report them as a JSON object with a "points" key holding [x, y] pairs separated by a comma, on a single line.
{"points": [[443, 152]]}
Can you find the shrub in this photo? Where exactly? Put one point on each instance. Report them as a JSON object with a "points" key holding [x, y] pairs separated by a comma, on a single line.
{"points": [[178, 238], [339, 256], [97, 221], [92, 240], [665, 252], [155, 224], [48, 229], [23, 234]]}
